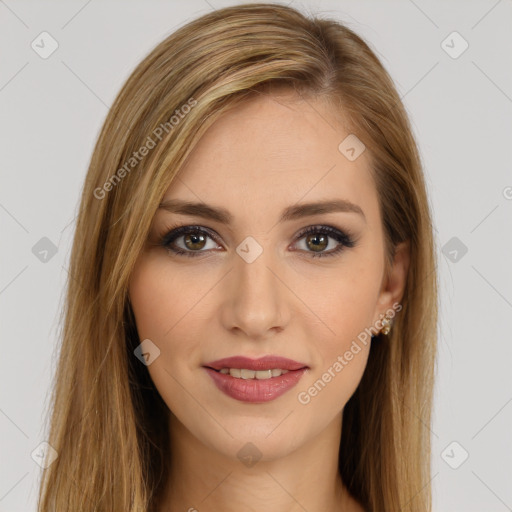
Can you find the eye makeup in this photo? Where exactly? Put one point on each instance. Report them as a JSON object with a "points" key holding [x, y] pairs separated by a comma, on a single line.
{"points": [[175, 233]]}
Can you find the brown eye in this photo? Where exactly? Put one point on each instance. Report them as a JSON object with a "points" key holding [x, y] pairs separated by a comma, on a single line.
{"points": [[316, 239], [194, 241], [317, 242], [189, 241]]}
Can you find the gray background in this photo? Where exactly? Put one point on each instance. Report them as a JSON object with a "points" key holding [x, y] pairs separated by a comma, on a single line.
{"points": [[461, 110]]}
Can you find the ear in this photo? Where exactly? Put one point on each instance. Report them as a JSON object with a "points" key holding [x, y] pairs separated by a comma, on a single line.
{"points": [[394, 281]]}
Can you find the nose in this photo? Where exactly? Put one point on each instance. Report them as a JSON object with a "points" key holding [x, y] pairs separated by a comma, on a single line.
{"points": [[255, 302]]}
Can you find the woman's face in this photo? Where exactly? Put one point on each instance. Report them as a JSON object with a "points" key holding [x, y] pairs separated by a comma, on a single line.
{"points": [[257, 286]]}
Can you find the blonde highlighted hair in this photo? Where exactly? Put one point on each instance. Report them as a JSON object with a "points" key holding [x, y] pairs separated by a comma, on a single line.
{"points": [[108, 423]]}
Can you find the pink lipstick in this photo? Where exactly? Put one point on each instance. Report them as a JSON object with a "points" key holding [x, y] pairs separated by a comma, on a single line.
{"points": [[255, 380]]}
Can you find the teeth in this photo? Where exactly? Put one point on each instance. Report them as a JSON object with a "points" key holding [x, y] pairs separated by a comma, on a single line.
{"points": [[246, 374], [263, 374], [253, 374]]}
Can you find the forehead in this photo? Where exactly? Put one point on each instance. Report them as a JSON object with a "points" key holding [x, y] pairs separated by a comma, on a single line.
{"points": [[272, 151]]}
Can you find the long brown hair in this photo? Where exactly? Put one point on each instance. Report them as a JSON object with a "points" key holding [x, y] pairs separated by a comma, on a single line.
{"points": [[108, 423]]}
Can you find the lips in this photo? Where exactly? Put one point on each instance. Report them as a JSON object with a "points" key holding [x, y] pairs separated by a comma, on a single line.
{"points": [[255, 390]]}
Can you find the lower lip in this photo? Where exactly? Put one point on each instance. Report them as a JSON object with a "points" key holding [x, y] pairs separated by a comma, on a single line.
{"points": [[255, 390]]}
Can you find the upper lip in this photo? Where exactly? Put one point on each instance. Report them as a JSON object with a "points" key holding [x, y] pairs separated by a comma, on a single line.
{"points": [[263, 363]]}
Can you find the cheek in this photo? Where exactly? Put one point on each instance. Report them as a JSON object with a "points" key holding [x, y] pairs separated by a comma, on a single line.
{"points": [[345, 301], [149, 296], [166, 301], [345, 304], [162, 297], [158, 304], [341, 355]]}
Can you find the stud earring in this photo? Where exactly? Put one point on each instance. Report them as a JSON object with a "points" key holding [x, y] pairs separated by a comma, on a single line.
{"points": [[386, 325]]}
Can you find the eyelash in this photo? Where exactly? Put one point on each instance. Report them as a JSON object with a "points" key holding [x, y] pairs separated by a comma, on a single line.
{"points": [[174, 232]]}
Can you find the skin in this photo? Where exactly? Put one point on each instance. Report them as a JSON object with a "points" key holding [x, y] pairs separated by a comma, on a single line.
{"points": [[269, 153]]}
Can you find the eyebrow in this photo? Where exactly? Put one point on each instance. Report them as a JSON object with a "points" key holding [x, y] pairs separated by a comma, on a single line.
{"points": [[293, 212]]}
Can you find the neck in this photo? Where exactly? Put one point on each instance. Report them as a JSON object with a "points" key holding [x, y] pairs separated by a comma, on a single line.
{"points": [[204, 479]]}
